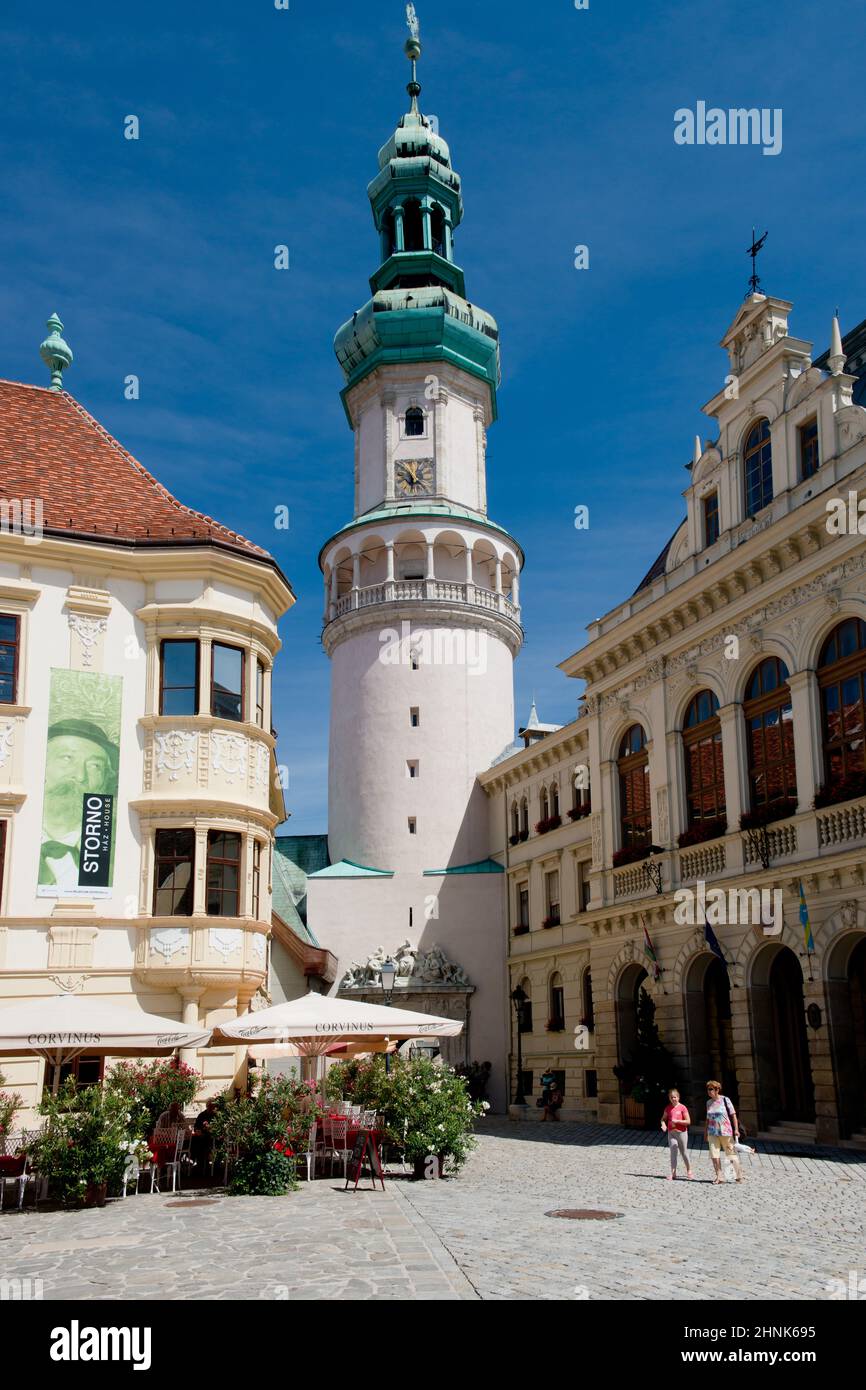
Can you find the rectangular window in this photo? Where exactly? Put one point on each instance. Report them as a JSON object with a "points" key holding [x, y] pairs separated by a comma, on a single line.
{"points": [[260, 695], [257, 877], [711, 518], [413, 826], [808, 437], [590, 1084], [178, 677], [583, 885], [412, 769], [223, 874], [227, 682], [174, 873], [523, 905], [414, 717], [551, 894], [10, 629], [3, 825], [87, 1070]]}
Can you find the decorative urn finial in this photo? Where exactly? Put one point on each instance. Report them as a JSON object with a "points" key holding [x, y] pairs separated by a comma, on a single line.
{"points": [[56, 354]]}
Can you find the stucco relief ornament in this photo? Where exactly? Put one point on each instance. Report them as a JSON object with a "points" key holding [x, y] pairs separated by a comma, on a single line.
{"points": [[87, 629], [849, 914], [228, 754], [259, 945], [7, 737], [169, 941], [175, 752], [262, 760], [225, 940]]}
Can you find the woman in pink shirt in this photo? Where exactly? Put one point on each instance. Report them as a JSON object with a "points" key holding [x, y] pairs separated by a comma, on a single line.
{"points": [[675, 1122]]}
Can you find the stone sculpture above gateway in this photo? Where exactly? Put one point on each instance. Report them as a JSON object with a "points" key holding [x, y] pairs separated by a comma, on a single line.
{"points": [[414, 968]]}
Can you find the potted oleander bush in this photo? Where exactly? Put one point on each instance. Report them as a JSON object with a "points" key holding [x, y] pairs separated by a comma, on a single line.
{"points": [[10, 1103], [83, 1147], [839, 789], [263, 1133], [149, 1088]]}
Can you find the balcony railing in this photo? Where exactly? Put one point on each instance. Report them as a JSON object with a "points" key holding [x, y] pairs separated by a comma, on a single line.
{"points": [[424, 591]]}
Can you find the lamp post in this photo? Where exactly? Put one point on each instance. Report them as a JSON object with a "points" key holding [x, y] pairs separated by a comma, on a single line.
{"points": [[388, 974], [518, 998]]}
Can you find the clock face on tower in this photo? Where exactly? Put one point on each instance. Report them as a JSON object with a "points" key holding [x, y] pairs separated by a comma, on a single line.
{"points": [[414, 478]]}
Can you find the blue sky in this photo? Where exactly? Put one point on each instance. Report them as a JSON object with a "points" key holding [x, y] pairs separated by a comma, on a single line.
{"points": [[261, 126]]}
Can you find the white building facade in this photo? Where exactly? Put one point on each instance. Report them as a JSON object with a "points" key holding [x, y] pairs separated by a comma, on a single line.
{"points": [[138, 639]]}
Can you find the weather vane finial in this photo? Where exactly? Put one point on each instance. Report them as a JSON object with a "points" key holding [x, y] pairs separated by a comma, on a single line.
{"points": [[754, 281], [412, 48]]}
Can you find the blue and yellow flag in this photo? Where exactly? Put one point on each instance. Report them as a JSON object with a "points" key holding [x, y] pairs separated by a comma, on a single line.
{"points": [[804, 918]]}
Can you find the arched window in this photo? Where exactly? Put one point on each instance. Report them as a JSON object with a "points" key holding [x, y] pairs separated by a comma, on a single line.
{"points": [[556, 1021], [515, 819], [413, 230], [554, 799], [705, 773], [842, 680], [588, 1014], [770, 733], [544, 804], [388, 228], [635, 816], [581, 800], [758, 468], [414, 421], [437, 229], [524, 817]]}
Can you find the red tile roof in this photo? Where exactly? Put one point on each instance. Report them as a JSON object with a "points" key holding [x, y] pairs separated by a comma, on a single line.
{"points": [[90, 486]]}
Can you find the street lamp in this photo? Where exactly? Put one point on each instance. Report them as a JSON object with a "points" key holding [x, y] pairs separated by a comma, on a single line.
{"points": [[388, 974], [388, 971], [653, 869], [518, 999]]}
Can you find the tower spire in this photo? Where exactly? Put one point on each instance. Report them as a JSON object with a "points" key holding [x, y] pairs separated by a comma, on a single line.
{"points": [[412, 49]]}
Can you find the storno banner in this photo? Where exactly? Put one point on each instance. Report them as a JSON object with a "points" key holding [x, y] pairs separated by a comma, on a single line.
{"points": [[76, 856]]}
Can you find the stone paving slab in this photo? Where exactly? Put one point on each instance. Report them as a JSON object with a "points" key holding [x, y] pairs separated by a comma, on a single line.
{"points": [[795, 1224]]}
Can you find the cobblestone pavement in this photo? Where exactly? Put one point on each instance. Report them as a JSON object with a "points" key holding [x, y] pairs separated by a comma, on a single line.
{"points": [[793, 1225], [796, 1223]]}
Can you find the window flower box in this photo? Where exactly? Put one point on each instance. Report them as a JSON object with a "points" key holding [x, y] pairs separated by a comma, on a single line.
{"points": [[766, 815], [555, 1025], [549, 823], [701, 831], [523, 836], [552, 921], [841, 789], [521, 930], [578, 812], [514, 839], [632, 855]]}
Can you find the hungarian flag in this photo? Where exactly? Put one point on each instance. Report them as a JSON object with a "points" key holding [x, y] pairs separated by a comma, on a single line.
{"points": [[804, 918], [651, 952]]}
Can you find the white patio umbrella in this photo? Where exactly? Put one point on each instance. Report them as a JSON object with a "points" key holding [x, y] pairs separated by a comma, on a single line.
{"points": [[315, 1022], [62, 1027]]}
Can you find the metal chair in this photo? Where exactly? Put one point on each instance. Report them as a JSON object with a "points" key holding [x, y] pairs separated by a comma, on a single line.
{"points": [[18, 1145], [336, 1147], [165, 1139]]}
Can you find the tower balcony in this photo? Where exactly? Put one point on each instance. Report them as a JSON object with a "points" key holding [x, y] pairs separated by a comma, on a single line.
{"points": [[425, 591], [428, 572]]}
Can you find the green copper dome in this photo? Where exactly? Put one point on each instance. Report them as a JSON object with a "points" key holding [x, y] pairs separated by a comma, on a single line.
{"points": [[419, 311]]}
